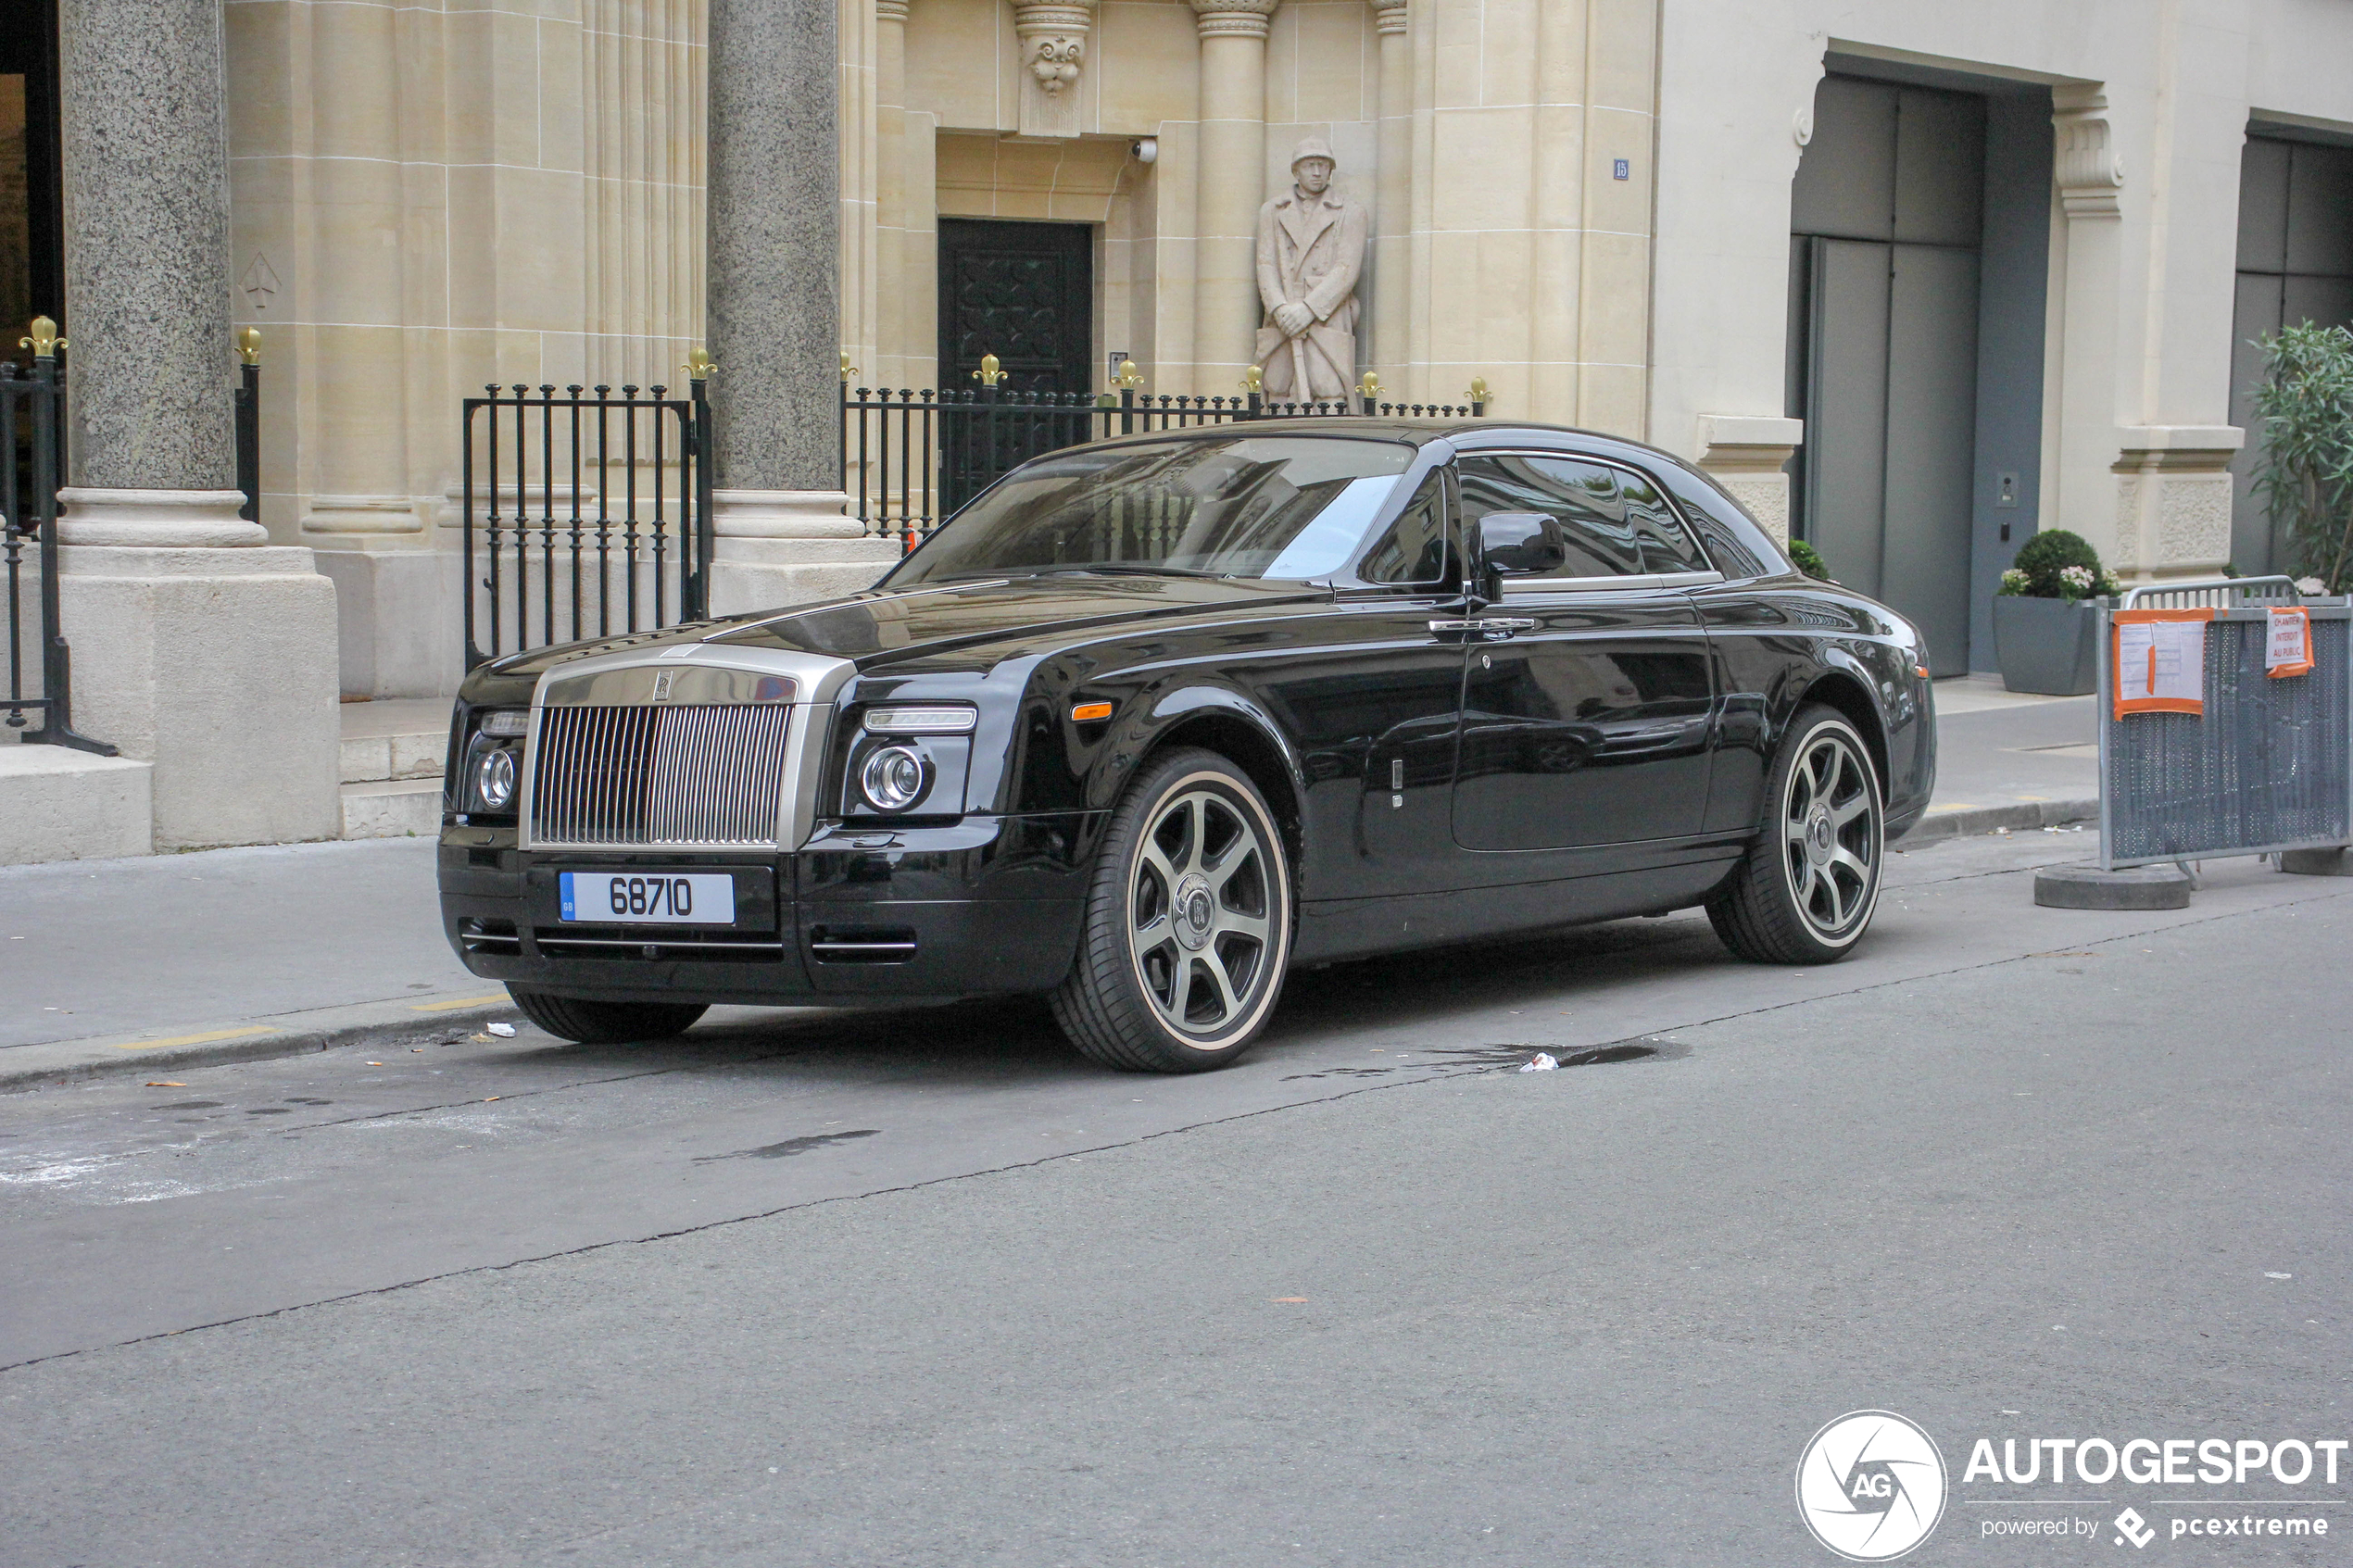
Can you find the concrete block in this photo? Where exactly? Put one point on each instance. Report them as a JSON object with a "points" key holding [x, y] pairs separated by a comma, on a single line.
{"points": [[2088, 887], [392, 808], [2317, 863], [62, 805], [218, 666]]}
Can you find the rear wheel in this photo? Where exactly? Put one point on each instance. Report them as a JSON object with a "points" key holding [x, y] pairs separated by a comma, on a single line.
{"points": [[1189, 922], [1807, 887], [605, 1023]]}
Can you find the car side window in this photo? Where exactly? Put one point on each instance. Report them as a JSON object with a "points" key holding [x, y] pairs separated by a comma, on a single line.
{"points": [[1583, 498], [1735, 548], [1667, 545], [1419, 546]]}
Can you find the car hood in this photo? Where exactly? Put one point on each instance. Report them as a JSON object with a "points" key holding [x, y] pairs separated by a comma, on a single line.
{"points": [[883, 626]]}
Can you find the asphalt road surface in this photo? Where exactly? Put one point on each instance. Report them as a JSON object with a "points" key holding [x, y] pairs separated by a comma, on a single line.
{"points": [[920, 1287]]}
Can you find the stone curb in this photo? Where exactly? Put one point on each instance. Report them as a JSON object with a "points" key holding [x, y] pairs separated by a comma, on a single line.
{"points": [[372, 1024], [1990, 819]]}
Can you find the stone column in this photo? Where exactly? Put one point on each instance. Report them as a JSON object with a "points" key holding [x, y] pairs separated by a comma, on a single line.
{"points": [[1231, 185], [890, 192], [775, 213], [1392, 264], [2090, 177], [197, 645]]}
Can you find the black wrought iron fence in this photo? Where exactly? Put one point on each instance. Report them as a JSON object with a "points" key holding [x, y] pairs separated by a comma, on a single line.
{"points": [[586, 514], [911, 458], [40, 661]]}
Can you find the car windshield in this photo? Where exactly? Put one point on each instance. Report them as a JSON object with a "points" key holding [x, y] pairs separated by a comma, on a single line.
{"points": [[1253, 506]]}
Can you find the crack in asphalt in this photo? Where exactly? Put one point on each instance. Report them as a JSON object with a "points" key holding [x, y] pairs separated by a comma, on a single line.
{"points": [[1440, 1075]]}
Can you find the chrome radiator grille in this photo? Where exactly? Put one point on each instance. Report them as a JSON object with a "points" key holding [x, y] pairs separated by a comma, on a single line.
{"points": [[705, 773]]}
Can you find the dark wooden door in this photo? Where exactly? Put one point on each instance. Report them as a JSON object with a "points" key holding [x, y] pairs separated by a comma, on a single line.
{"points": [[1024, 292]]}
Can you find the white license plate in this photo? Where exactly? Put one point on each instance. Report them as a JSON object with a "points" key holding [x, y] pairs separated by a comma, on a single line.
{"points": [[635, 898]]}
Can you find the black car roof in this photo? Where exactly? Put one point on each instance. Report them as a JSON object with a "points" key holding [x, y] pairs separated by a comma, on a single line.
{"points": [[1467, 434]]}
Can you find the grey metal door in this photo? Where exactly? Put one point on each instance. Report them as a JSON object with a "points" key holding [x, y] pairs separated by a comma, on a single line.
{"points": [[1887, 207]]}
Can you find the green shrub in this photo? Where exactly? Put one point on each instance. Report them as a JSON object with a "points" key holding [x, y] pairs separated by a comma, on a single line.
{"points": [[2056, 564], [1808, 560], [2306, 404]]}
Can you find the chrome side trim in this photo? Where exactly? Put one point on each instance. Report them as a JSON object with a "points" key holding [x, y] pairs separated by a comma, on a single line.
{"points": [[1519, 587]]}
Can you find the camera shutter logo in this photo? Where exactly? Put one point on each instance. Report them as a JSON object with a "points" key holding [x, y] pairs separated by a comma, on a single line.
{"points": [[1870, 1485]]}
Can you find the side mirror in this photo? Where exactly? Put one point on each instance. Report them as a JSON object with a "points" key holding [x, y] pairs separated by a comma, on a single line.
{"points": [[1519, 545]]}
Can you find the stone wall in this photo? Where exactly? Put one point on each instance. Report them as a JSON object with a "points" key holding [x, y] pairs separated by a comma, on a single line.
{"points": [[427, 200]]}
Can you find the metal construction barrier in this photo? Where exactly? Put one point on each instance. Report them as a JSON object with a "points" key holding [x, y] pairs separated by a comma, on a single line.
{"points": [[2258, 762]]}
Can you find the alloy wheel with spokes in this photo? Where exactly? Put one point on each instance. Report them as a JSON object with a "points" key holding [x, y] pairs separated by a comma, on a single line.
{"points": [[1830, 834], [1806, 891], [1198, 911], [1189, 922]]}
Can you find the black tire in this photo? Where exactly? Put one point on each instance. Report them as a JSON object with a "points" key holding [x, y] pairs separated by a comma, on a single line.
{"points": [[1806, 889], [1189, 922], [606, 1023]]}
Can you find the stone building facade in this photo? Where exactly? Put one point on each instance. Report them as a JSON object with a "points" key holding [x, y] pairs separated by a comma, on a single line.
{"points": [[1912, 279]]}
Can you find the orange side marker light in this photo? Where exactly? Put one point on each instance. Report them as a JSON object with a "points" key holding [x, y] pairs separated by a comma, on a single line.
{"points": [[1087, 712]]}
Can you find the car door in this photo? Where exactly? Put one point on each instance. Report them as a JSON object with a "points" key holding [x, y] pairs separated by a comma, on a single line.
{"points": [[1587, 690], [1375, 718]]}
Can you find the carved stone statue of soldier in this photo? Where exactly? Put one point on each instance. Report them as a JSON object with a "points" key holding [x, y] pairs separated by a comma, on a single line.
{"points": [[1310, 246]]}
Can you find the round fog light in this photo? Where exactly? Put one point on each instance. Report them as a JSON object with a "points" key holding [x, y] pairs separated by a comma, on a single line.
{"points": [[495, 779], [892, 779]]}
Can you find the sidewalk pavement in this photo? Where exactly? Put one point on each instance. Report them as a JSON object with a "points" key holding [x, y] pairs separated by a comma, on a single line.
{"points": [[172, 960]]}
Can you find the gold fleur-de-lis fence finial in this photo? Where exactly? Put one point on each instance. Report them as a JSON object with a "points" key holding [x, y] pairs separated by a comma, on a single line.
{"points": [[988, 374], [250, 346], [848, 369], [1477, 392], [1129, 377], [1368, 386], [699, 364], [44, 341], [1254, 378]]}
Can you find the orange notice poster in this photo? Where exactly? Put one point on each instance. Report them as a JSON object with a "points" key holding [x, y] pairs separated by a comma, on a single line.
{"points": [[2159, 661], [2287, 650]]}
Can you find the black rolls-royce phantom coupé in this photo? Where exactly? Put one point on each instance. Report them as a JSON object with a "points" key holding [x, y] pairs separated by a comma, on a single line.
{"points": [[1155, 719]]}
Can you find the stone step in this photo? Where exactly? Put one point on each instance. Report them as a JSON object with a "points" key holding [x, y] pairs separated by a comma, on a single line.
{"points": [[58, 804], [392, 808], [403, 739]]}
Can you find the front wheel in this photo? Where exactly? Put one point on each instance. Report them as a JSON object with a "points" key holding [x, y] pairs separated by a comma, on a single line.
{"points": [[1806, 889], [605, 1023], [1189, 922]]}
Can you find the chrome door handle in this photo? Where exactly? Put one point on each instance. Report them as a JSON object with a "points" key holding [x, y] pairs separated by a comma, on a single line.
{"points": [[1490, 625]]}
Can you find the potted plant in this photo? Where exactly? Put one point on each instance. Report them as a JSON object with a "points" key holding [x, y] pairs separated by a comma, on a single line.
{"points": [[2306, 403], [2044, 634]]}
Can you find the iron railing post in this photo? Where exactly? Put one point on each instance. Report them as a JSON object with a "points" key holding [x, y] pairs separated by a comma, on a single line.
{"points": [[249, 421], [56, 655]]}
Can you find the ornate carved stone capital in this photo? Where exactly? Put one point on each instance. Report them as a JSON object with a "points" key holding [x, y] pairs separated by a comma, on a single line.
{"points": [[1232, 18], [1389, 16], [1053, 49], [2086, 165], [891, 11]]}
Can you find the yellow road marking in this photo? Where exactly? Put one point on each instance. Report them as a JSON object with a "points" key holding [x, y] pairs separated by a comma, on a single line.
{"points": [[189, 1039], [459, 1002], [1955, 806]]}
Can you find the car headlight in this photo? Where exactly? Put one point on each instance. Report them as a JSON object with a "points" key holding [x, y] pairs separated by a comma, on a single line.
{"points": [[494, 779], [892, 779], [506, 722]]}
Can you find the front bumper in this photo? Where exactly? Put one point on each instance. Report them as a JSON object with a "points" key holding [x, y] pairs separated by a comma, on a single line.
{"points": [[983, 906]]}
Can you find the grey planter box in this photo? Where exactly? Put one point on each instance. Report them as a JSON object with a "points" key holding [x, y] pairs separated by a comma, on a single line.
{"points": [[2047, 646]]}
